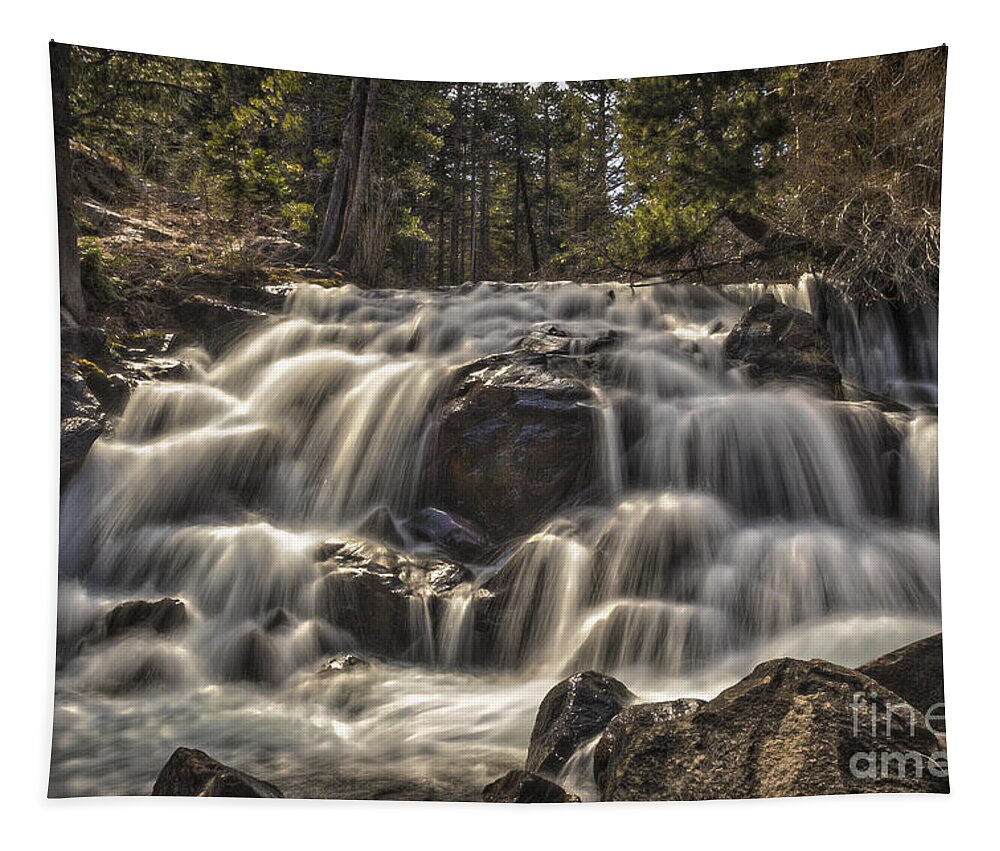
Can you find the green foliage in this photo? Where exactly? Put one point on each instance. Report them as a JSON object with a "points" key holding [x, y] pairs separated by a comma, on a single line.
{"points": [[834, 165], [699, 148], [298, 216], [241, 261], [96, 266]]}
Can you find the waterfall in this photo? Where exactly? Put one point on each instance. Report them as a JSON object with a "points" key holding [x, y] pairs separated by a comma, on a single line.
{"points": [[886, 349], [725, 522]]}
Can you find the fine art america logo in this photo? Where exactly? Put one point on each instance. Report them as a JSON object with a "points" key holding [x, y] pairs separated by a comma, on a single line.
{"points": [[883, 720]]}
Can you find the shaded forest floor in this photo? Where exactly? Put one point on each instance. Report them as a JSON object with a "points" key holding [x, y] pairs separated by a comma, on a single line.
{"points": [[147, 249]]}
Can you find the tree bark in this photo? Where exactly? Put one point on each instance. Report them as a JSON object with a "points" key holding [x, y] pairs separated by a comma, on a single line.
{"points": [[329, 240], [70, 286], [359, 192], [484, 221], [455, 241], [523, 183], [775, 242], [473, 148], [440, 247]]}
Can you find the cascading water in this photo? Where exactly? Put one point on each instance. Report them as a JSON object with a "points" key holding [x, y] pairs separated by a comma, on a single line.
{"points": [[729, 524], [886, 349]]}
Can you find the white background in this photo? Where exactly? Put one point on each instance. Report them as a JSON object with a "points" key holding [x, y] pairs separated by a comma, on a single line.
{"points": [[502, 40]]}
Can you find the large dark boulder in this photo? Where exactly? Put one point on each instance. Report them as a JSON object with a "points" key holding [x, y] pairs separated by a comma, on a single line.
{"points": [[193, 773], [916, 673], [789, 728], [627, 723], [523, 787], [572, 713], [372, 591], [514, 441], [774, 341]]}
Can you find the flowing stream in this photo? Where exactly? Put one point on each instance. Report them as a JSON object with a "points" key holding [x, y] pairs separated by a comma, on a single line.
{"points": [[732, 524]]}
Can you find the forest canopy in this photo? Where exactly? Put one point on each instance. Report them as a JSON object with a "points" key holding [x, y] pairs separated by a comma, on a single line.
{"points": [[833, 167]]}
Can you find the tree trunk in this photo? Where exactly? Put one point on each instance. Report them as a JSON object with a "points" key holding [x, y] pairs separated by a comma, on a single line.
{"points": [[484, 221], [455, 246], [523, 183], [516, 216], [329, 240], [359, 193], [547, 185], [70, 286], [440, 247], [473, 138], [529, 225]]}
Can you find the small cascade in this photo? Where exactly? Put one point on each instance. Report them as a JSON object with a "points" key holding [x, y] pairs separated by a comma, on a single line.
{"points": [[456, 632], [919, 472], [886, 349]]}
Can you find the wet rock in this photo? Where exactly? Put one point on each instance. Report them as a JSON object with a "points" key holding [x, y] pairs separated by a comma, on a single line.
{"points": [[110, 388], [523, 787], [553, 340], [76, 436], [449, 531], [874, 443], [381, 526], [375, 592], [573, 712], [214, 322], [269, 298], [277, 619], [774, 341], [253, 657], [344, 662], [193, 773], [624, 726], [916, 673], [82, 421], [161, 617], [514, 442], [789, 728]]}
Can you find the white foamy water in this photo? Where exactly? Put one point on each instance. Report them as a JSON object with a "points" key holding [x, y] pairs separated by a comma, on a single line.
{"points": [[731, 524]]}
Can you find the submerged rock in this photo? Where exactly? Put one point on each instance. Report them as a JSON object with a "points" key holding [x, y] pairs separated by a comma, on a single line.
{"points": [[162, 616], [344, 662], [774, 341], [523, 787], [789, 728], [388, 600], [553, 340], [381, 526], [627, 723], [573, 712], [514, 442], [213, 322], [449, 531], [916, 673], [193, 773], [252, 657]]}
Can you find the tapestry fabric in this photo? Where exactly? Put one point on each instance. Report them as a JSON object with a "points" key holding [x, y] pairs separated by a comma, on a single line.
{"points": [[503, 442]]}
